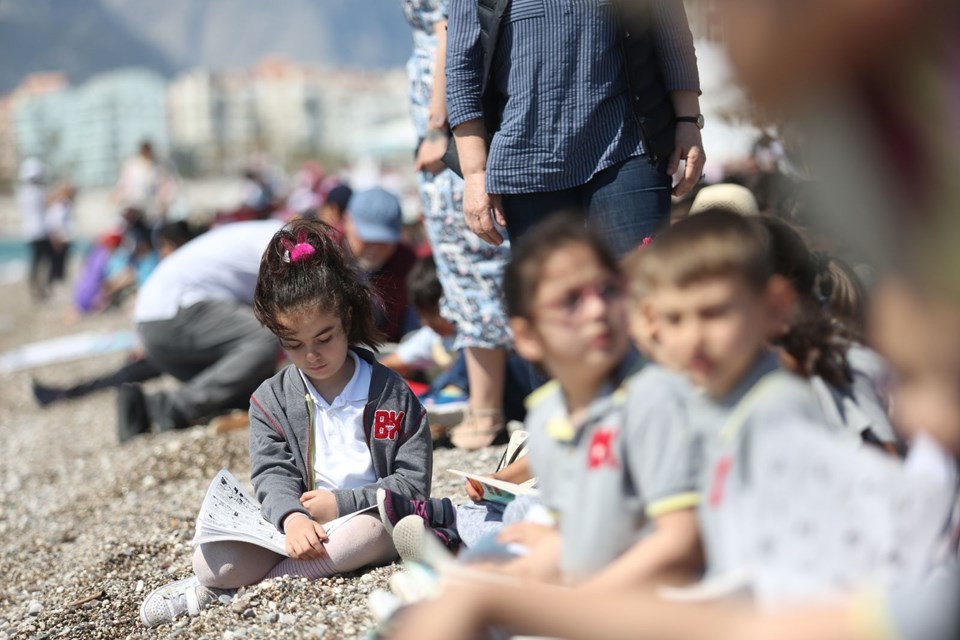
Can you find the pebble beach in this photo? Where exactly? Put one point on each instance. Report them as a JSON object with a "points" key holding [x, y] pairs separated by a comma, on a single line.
{"points": [[88, 527]]}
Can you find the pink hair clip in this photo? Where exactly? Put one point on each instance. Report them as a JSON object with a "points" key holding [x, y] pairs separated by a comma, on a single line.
{"points": [[299, 251], [646, 242]]}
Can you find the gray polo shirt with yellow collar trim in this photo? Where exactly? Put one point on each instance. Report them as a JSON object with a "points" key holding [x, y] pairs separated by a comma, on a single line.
{"points": [[768, 397], [629, 462]]}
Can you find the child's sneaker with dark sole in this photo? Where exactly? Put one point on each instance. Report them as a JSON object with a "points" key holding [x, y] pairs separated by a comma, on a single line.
{"points": [[436, 513]]}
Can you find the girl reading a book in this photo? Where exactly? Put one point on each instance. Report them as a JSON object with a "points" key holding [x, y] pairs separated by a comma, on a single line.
{"points": [[325, 432]]}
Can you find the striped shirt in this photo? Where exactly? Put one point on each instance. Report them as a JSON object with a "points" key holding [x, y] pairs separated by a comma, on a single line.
{"points": [[559, 65]]}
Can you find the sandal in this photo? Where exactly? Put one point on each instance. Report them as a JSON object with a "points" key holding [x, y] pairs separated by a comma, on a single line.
{"points": [[476, 432], [237, 419]]}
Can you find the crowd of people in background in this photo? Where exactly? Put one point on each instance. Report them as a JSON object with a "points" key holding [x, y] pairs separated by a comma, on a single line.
{"points": [[644, 333]]}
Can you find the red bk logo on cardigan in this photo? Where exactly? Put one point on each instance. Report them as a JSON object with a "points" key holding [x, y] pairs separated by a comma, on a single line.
{"points": [[386, 424]]}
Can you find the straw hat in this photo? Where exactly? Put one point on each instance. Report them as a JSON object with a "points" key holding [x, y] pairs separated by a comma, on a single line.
{"points": [[729, 197]]}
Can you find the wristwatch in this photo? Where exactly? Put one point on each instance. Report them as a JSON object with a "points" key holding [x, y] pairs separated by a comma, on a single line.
{"points": [[697, 120]]}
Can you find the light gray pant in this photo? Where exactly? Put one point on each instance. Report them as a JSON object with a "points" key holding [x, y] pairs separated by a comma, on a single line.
{"points": [[360, 542], [479, 520], [220, 352]]}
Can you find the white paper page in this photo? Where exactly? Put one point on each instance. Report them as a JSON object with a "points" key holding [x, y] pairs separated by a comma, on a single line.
{"points": [[333, 525], [825, 516], [230, 513]]}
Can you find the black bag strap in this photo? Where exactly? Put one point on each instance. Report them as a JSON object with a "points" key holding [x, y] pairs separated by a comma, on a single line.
{"points": [[490, 13]]}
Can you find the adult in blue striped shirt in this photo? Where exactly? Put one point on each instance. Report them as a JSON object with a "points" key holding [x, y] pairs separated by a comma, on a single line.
{"points": [[567, 136]]}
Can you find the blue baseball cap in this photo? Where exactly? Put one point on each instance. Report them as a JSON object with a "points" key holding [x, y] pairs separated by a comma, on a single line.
{"points": [[376, 215], [339, 196]]}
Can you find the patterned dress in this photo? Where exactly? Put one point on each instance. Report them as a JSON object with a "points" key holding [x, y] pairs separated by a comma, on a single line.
{"points": [[470, 270]]}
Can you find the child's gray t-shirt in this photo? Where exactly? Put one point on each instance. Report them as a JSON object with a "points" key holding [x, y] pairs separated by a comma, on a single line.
{"points": [[862, 407], [768, 397], [630, 461]]}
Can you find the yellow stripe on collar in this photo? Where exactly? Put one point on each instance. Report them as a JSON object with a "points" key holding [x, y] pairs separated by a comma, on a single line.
{"points": [[560, 428], [537, 396]]}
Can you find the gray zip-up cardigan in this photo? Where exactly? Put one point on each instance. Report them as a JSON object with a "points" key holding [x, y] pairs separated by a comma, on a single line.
{"points": [[282, 440]]}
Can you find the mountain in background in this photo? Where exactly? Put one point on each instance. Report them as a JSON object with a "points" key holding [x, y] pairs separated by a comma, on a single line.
{"points": [[86, 37], [79, 38]]}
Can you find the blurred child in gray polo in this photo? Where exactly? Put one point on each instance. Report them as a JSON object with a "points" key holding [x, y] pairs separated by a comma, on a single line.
{"points": [[604, 466], [715, 304]]}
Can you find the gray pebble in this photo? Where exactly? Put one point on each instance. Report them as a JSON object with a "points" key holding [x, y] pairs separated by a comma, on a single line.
{"points": [[139, 587], [319, 631], [269, 618], [247, 613], [34, 608], [288, 618], [225, 598]]}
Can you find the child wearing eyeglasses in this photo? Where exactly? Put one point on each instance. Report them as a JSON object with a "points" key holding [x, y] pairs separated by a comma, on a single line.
{"points": [[600, 465]]}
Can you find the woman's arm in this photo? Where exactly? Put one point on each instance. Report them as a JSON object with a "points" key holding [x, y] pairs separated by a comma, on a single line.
{"points": [[464, 71], [438, 95], [481, 209], [434, 144], [464, 63], [673, 42]]}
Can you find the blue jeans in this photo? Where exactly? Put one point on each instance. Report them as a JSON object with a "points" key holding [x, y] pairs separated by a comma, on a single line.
{"points": [[624, 203]]}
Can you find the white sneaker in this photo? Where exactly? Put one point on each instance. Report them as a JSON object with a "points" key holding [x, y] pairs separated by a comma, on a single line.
{"points": [[169, 602], [417, 543]]}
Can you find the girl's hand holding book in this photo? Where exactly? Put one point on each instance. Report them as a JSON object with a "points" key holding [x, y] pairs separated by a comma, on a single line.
{"points": [[321, 504], [305, 538]]}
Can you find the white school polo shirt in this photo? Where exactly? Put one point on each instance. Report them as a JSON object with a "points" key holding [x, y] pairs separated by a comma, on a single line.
{"points": [[341, 457]]}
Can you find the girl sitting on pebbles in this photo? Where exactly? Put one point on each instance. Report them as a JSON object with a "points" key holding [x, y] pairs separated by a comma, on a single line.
{"points": [[325, 433]]}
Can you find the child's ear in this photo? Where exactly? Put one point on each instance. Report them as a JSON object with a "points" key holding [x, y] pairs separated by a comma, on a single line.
{"points": [[642, 325], [782, 303], [526, 341], [649, 312]]}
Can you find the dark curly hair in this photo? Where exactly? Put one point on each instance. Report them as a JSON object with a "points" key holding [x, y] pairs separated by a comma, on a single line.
{"points": [[324, 279], [815, 342]]}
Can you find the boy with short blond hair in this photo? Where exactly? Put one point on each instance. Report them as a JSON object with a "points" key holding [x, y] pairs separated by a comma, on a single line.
{"points": [[715, 303]]}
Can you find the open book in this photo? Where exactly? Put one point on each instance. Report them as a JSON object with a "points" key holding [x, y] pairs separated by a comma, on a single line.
{"points": [[815, 516], [230, 513], [827, 515], [494, 490]]}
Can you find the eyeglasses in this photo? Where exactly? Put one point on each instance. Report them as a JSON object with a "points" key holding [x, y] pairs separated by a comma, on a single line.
{"points": [[571, 304]]}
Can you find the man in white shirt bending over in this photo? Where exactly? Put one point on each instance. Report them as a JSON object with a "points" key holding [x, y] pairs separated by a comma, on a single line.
{"points": [[194, 315]]}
